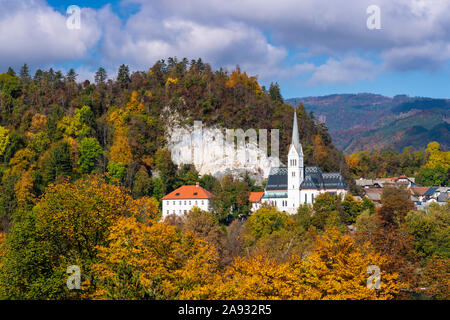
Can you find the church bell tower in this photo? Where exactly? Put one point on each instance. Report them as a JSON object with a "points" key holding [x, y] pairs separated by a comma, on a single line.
{"points": [[295, 166]]}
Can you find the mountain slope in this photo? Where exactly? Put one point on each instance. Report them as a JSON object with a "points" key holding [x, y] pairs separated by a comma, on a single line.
{"points": [[368, 121]]}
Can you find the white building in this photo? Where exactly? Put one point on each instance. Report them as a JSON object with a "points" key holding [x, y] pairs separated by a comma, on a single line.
{"points": [[183, 199], [288, 187], [255, 200]]}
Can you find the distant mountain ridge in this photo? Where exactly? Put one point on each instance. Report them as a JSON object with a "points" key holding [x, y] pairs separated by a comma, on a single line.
{"points": [[368, 121]]}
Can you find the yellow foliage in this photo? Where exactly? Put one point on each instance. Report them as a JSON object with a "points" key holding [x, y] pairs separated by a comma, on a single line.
{"points": [[167, 264], [121, 150], [117, 119], [437, 158], [237, 77], [4, 139], [24, 190], [145, 209], [22, 160], [353, 161], [171, 81], [337, 270], [256, 278], [134, 105]]}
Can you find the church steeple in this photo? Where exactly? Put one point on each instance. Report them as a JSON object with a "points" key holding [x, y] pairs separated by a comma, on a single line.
{"points": [[295, 166], [295, 139]]}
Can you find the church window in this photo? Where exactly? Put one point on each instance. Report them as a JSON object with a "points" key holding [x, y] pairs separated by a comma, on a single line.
{"points": [[306, 198]]}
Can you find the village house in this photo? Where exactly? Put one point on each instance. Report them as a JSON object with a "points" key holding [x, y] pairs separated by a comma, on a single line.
{"points": [[183, 199]]}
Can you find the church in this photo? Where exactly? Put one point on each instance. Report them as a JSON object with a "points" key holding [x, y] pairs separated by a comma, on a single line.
{"points": [[288, 187]]}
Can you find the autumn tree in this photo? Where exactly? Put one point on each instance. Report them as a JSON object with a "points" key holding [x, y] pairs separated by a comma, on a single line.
{"points": [[435, 280], [337, 270], [431, 230], [230, 199], [65, 228], [152, 262], [396, 204]]}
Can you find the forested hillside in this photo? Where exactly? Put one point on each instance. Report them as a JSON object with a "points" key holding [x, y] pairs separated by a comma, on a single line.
{"points": [[362, 122], [52, 126]]}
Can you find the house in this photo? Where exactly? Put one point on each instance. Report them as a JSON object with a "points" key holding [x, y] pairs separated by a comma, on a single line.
{"points": [[418, 193], [408, 182], [255, 200], [374, 194], [183, 199], [295, 184]]}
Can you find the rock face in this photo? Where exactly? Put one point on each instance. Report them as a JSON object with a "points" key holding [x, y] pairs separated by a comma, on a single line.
{"points": [[214, 150]]}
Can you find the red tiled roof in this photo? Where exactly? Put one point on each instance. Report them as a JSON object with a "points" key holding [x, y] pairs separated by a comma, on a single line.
{"points": [[420, 191], [255, 196], [188, 192]]}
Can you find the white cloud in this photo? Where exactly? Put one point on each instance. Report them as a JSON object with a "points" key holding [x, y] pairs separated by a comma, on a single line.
{"points": [[32, 32], [272, 39], [348, 70], [428, 56]]}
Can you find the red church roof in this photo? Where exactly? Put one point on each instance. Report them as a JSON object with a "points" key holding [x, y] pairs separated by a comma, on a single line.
{"points": [[188, 192]]}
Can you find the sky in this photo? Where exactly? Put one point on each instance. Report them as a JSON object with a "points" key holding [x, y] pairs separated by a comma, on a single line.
{"points": [[310, 47]]}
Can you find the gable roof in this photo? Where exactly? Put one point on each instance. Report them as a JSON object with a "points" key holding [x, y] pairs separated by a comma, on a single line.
{"points": [[278, 179], [188, 192], [313, 179], [420, 191], [255, 196], [431, 191]]}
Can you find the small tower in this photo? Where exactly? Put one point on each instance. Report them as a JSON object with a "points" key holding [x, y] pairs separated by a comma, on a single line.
{"points": [[295, 166]]}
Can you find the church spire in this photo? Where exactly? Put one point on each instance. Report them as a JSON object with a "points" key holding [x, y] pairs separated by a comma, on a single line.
{"points": [[295, 139]]}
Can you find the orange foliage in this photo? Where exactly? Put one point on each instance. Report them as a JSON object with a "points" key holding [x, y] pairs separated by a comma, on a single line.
{"points": [[320, 151], [38, 122], [165, 263]]}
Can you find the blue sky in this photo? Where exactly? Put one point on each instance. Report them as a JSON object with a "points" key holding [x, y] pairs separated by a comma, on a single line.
{"points": [[310, 47]]}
